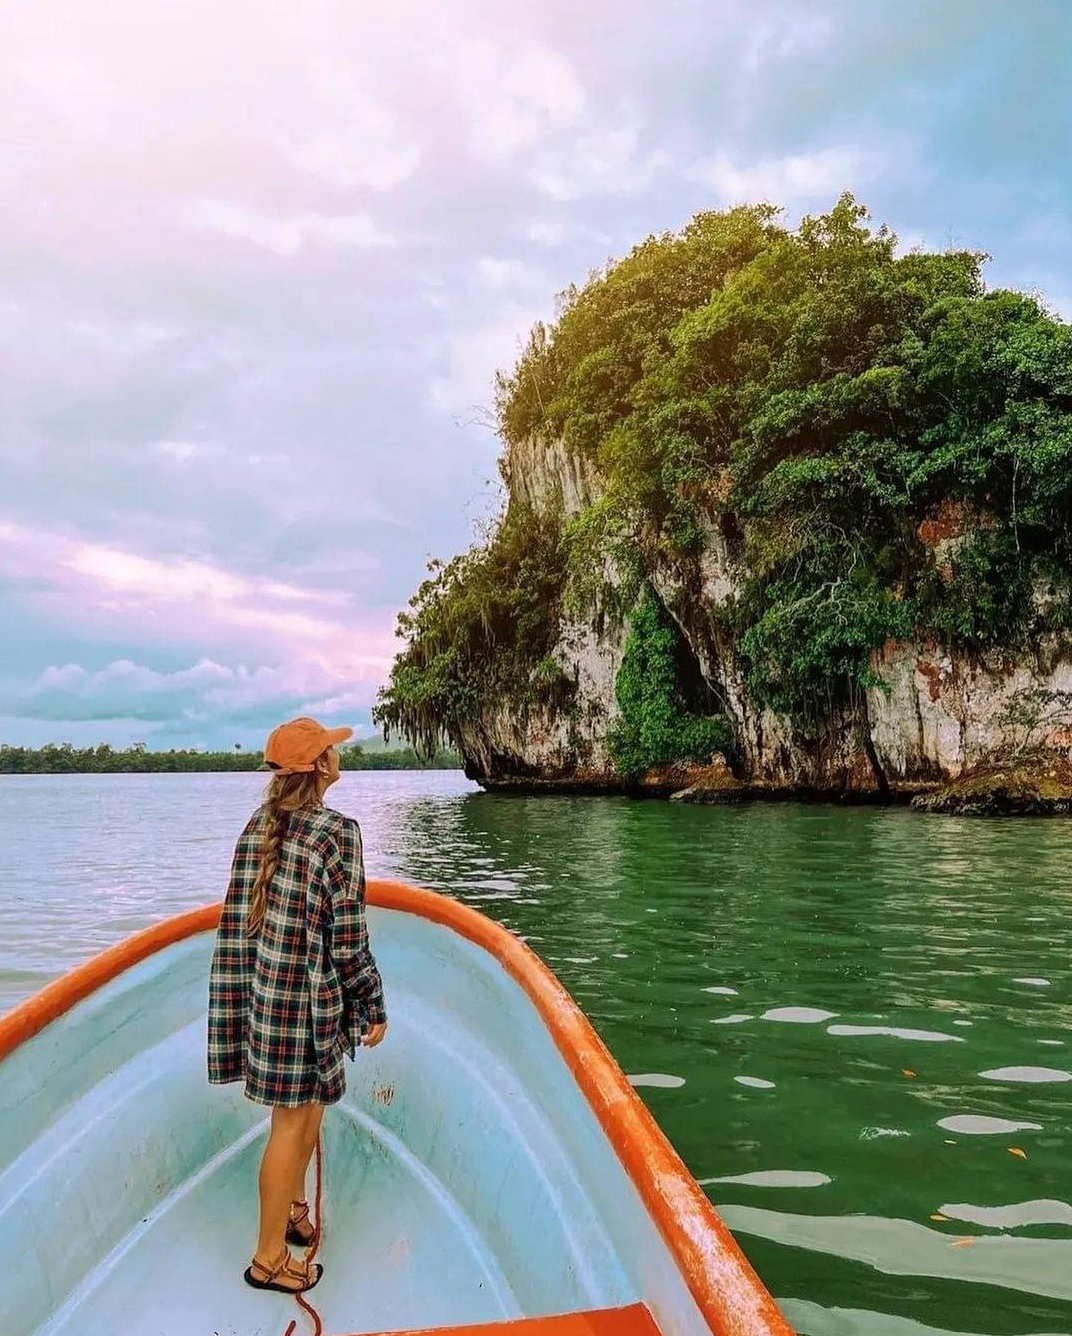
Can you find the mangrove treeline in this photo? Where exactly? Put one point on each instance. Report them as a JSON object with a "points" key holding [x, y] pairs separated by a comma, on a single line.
{"points": [[68, 759]]}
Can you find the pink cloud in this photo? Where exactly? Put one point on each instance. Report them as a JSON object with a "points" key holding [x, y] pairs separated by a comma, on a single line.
{"points": [[102, 591]]}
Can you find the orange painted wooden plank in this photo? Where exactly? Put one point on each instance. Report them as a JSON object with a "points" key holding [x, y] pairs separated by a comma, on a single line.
{"points": [[632, 1320]]}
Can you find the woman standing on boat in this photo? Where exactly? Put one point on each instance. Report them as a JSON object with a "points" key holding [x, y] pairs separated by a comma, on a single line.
{"points": [[293, 984]]}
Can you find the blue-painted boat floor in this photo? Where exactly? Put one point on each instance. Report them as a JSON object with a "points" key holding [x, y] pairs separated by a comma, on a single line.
{"points": [[396, 1255]]}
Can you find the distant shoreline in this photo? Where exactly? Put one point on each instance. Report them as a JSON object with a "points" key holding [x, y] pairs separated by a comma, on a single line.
{"points": [[66, 759]]}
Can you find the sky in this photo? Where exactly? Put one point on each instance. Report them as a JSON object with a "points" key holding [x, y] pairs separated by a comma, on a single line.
{"points": [[260, 261]]}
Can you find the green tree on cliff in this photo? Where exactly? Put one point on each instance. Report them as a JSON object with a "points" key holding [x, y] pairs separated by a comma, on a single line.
{"points": [[814, 398]]}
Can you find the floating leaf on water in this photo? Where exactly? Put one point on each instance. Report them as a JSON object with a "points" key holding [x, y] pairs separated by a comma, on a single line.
{"points": [[1015, 1150]]}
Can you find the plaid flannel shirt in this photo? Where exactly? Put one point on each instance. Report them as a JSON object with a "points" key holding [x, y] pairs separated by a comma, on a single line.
{"points": [[285, 1005]]}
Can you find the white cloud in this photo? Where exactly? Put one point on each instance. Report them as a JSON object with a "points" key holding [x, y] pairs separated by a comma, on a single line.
{"points": [[552, 232], [785, 180], [378, 166], [513, 94], [206, 692], [485, 331], [363, 145], [283, 235], [602, 162], [473, 353], [178, 600], [547, 231], [123, 337], [337, 703], [785, 36], [498, 273], [73, 89], [185, 452], [189, 581]]}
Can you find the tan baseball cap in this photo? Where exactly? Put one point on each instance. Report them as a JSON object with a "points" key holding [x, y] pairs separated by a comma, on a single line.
{"points": [[293, 747]]}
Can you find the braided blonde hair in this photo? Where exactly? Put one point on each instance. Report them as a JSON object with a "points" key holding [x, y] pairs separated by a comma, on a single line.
{"points": [[285, 794]]}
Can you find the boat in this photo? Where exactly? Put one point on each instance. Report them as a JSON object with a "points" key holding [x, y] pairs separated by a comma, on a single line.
{"points": [[490, 1171]]}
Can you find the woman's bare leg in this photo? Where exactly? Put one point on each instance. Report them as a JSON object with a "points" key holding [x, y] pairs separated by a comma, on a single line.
{"points": [[316, 1114], [285, 1155]]}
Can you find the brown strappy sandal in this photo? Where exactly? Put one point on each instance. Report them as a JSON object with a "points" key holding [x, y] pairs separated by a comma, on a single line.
{"points": [[283, 1269], [293, 1236]]}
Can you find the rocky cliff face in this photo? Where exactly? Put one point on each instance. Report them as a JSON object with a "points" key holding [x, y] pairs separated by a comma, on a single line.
{"points": [[939, 716]]}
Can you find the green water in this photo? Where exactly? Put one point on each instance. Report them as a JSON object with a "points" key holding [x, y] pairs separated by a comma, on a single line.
{"points": [[842, 1018]]}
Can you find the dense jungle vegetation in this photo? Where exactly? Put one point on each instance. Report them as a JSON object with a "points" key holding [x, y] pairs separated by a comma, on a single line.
{"points": [[823, 402]]}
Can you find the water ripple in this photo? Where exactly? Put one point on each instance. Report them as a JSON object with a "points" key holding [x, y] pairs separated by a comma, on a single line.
{"points": [[973, 1124], [897, 1032], [1030, 1075]]}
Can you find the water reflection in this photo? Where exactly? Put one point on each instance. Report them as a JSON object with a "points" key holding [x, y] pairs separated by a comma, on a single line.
{"points": [[973, 1124], [1032, 1075], [798, 1015], [1017, 1215], [775, 1178]]}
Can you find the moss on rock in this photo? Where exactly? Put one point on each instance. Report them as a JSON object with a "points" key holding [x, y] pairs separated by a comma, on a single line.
{"points": [[1031, 783]]}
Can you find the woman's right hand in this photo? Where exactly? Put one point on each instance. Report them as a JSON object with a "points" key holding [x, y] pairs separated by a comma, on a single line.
{"points": [[374, 1034]]}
